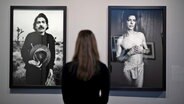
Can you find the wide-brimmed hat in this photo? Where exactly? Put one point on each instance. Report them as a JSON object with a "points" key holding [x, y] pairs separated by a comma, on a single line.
{"points": [[41, 53]]}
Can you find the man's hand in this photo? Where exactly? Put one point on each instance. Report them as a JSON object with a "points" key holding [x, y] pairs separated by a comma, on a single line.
{"points": [[35, 63]]}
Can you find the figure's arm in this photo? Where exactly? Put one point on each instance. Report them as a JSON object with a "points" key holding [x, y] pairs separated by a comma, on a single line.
{"points": [[25, 51], [146, 49], [52, 50], [143, 48], [121, 53]]}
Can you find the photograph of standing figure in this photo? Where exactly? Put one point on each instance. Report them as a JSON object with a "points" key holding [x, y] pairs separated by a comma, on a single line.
{"points": [[37, 48], [38, 52], [130, 49], [136, 47]]}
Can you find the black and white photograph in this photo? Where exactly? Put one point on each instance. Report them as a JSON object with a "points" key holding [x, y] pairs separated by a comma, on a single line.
{"points": [[137, 47], [37, 46]]}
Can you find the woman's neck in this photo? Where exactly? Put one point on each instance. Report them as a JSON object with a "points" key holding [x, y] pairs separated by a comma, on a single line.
{"points": [[130, 32]]}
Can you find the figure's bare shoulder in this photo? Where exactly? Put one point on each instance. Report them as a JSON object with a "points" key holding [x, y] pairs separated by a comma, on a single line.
{"points": [[140, 34], [120, 39]]}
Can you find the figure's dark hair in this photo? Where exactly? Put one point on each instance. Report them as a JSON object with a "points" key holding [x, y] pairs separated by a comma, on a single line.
{"points": [[43, 16], [127, 13], [86, 54]]}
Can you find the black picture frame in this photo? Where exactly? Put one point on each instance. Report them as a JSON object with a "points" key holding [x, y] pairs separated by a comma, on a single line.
{"points": [[21, 24], [151, 20]]}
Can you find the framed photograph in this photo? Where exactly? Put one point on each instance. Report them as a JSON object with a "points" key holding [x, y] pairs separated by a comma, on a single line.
{"points": [[137, 47], [151, 53], [37, 46]]}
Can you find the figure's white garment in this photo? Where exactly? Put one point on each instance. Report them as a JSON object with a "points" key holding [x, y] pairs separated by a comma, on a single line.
{"points": [[134, 69]]}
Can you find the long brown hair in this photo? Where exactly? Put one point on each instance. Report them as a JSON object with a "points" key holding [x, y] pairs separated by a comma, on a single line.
{"points": [[86, 54]]}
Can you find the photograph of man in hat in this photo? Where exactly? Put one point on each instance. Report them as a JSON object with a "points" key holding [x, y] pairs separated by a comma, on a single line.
{"points": [[38, 52]]}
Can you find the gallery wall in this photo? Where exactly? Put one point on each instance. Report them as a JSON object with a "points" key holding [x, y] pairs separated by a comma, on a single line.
{"points": [[92, 14]]}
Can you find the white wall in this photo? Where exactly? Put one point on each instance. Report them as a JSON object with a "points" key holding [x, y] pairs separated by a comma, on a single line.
{"points": [[92, 14]]}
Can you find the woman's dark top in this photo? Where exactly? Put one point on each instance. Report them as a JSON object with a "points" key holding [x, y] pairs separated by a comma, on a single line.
{"points": [[93, 91]]}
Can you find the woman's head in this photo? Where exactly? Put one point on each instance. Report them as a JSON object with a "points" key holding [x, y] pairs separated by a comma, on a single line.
{"points": [[86, 54], [130, 19], [86, 45]]}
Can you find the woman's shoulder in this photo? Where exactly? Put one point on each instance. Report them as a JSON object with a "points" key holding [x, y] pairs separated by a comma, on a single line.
{"points": [[67, 64], [140, 33], [67, 67], [103, 66], [121, 37]]}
